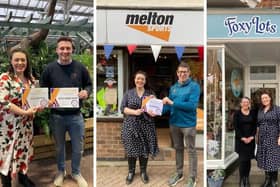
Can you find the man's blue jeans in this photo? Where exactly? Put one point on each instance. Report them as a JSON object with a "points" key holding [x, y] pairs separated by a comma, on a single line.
{"points": [[74, 125]]}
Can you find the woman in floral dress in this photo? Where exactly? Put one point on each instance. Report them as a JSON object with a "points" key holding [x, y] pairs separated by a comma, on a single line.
{"points": [[16, 128]]}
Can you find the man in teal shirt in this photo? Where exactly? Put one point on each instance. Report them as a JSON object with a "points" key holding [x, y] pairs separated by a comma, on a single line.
{"points": [[182, 104]]}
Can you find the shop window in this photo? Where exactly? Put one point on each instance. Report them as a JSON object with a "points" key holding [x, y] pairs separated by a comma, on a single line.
{"points": [[108, 85], [234, 90], [214, 103], [263, 72]]}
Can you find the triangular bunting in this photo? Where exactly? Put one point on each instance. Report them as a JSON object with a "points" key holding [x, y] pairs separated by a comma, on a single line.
{"points": [[200, 50], [156, 50], [179, 52], [131, 48], [108, 50]]}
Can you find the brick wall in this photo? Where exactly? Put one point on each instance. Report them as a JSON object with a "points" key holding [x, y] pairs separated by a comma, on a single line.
{"points": [[109, 145], [275, 3], [268, 3]]}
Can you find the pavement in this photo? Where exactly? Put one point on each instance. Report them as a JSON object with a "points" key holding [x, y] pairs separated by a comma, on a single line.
{"points": [[256, 177], [113, 173], [43, 171]]}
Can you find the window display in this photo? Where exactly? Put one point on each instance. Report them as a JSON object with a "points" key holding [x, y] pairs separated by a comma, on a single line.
{"points": [[214, 103], [234, 85], [225, 87], [107, 85]]}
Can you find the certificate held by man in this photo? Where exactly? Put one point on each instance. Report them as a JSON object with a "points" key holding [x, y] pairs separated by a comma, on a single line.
{"points": [[35, 97], [152, 105], [64, 97]]}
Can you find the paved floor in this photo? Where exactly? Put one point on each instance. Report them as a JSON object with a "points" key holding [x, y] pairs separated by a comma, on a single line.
{"points": [[113, 173], [256, 177], [42, 172]]}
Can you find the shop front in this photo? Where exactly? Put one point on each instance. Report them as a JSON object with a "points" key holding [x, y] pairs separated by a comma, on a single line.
{"points": [[129, 40], [242, 59]]}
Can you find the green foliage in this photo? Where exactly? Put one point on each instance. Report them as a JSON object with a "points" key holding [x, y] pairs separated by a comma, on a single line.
{"points": [[87, 60], [87, 108], [41, 122], [4, 62], [40, 57], [218, 174]]}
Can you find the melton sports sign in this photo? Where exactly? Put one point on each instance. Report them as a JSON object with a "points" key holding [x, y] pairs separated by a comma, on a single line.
{"points": [[146, 27], [152, 23]]}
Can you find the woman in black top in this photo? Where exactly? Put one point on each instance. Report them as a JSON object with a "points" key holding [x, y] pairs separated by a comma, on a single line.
{"points": [[138, 131], [245, 130]]}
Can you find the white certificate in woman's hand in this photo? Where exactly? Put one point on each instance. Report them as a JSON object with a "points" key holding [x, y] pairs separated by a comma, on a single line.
{"points": [[35, 97], [154, 105]]}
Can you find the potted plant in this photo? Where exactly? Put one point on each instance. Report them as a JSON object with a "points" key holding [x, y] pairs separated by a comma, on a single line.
{"points": [[216, 177]]}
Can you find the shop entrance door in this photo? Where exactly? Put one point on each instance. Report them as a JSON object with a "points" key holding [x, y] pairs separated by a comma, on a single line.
{"points": [[256, 89]]}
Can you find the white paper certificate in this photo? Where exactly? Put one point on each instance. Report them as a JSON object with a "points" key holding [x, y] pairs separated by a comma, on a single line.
{"points": [[65, 97], [34, 97], [154, 105]]}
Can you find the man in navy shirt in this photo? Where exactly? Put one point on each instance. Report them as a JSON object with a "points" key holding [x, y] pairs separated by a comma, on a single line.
{"points": [[63, 73]]}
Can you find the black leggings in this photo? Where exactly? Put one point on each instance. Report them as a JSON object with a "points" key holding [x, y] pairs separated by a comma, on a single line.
{"points": [[6, 180], [244, 168]]}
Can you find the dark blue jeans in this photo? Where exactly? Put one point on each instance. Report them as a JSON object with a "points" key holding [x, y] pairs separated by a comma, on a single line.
{"points": [[74, 125]]}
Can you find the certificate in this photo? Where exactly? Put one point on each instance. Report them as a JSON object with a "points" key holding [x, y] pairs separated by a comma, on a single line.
{"points": [[64, 97], [34, 97], [154, 105]]}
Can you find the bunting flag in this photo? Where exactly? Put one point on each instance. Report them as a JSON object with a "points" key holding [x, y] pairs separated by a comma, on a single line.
{"points": [[131, 48], [179, 52], [156, 50], [108, 50], [200, 50]]}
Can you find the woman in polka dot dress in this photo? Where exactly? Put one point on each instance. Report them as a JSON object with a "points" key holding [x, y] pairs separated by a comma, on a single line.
{"points": [[138, 131], [268, 152]]}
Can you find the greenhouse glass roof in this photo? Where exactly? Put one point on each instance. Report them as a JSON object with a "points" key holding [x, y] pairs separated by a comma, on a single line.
{"points": [[20, 18], [76, 9]]}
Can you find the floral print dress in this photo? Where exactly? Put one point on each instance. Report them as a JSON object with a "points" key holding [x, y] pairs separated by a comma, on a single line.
{"points": [[16, 132]]}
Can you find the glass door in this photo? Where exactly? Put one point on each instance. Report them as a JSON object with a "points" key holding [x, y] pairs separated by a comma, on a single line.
{"points": [[256, 89]]}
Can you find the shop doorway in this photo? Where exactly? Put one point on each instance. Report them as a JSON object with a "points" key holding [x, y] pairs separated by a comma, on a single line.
{"points": [[161, 76], [256, 90]]}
